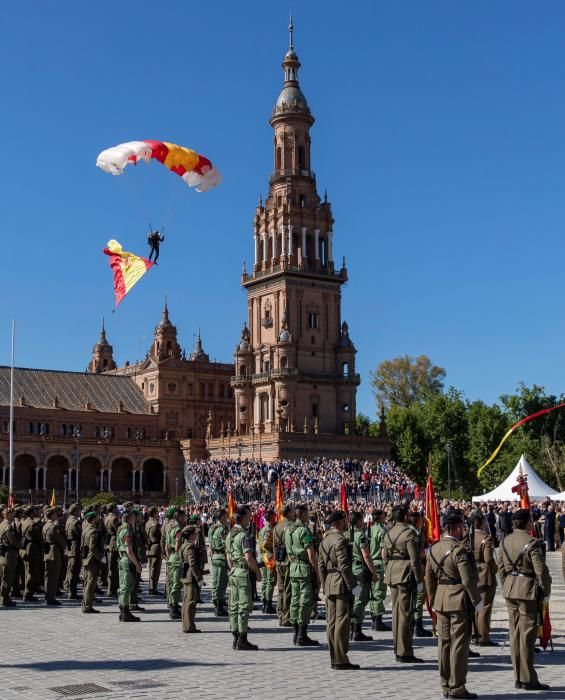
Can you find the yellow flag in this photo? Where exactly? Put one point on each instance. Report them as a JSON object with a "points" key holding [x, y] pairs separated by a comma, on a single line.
{"points": [[52, 501]]}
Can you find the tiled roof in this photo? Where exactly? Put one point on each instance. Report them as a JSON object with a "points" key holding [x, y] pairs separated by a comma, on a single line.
{"points": [[72, 390]]}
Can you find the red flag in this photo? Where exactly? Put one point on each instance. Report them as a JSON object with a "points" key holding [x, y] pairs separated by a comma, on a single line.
{"points": [[343, 499], [10, 500], [545, 628], [431, 516], [231, 507]]}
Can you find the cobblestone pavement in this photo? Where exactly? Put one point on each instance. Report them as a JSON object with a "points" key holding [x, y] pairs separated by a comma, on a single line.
{"points": [[46, 651]]}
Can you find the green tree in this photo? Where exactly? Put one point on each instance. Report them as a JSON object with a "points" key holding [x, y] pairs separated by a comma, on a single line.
{"points": [[404, 380], [486, 426], [101, 499], [365, 426], [409, 442]]}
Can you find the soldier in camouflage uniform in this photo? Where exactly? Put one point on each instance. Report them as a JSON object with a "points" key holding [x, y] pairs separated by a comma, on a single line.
{"points": [[192, 576], [241, 558], [365, 574], [174, 565], [268, 557], [154, 552], [378, 588], [112, 524], [73, 529], [216, 539], [92, 552], [31, 553], [9, 544], [128, 565]]}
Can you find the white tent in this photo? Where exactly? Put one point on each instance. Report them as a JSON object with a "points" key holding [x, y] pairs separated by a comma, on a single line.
{"points": [[558, 497], [537, 488]]}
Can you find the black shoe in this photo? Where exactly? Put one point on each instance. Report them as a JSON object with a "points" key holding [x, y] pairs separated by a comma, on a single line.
{"points": [[466, 694], [30, 598], [73, 596], [263, 605], [517, 685], [421, 631], [380, 625], [175, 613], [126, 616], [8, 603], [90, 610], [244, 645], [490, 643], [295, 634], [136, 608], [535, 686], [269, 609], [192, 631], [52, 601], [409, 660], [235, 638], [346, 667], [16, 594], [445, 694], [303, 640], [358, 635], [474, 654]]}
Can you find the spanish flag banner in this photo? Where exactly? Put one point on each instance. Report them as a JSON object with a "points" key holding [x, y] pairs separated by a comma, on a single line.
{"points": [[231, 507], [52, 501], [128, 268], [279, 499], [431, 516], [343, 500]]}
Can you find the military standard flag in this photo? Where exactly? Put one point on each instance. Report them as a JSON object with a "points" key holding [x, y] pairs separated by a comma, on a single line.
{"points": [[231, 507], [431, 515], [128, 268], [279, 499]]}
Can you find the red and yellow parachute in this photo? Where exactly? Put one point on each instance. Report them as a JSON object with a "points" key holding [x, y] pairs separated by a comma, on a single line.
{"points": [[196, 170]]}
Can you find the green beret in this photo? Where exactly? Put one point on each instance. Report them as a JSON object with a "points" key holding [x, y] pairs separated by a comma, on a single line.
{"points": [[90, 514], [171, 510], [189, 530], [194, 518]]}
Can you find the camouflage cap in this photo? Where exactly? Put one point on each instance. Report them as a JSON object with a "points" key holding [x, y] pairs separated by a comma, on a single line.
{"points": [[189, 530], [171, 510]]}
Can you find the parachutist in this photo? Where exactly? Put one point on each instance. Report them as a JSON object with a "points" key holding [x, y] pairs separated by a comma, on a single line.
{"points": [[154, 239]]}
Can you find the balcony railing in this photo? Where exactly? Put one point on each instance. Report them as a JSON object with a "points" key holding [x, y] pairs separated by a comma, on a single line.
{"points": [[292, 371]]}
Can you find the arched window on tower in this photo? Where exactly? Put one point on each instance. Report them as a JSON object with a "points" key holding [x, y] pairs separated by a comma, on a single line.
{"points": [[278, 163], [301, 158], [345, 369], [169, 348]]}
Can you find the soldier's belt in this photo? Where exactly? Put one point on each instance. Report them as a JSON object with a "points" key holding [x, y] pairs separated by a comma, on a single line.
{"points": [[524, 574], [399, 557], [332, 571], [449, 582]]}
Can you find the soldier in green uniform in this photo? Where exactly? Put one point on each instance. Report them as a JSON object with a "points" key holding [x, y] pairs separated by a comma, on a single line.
{"points": [[268, 557], [281, 557], [19, 576], [525, 584], [482, 546], [452, 585], [415, 522], [241, 558], [300, 549], [339, 586], [73, 528], [92, 553], [174, 565], [112, 524], [196, 521], [154, 551], [403, 575], [378, 588], [365, 574], [217, 541], [9, 544], [54, 551], [128, 566], [31, 553], [191, 576]]}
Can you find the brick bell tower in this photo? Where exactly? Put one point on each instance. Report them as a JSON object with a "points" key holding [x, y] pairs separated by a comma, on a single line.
{"points": [[295, 362]]}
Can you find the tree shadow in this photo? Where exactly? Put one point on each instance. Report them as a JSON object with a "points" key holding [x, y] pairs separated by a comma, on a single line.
{"points": [[113, 665]]}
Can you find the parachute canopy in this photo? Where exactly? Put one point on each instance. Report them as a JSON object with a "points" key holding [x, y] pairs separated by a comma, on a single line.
{"points": [[196, 170]]}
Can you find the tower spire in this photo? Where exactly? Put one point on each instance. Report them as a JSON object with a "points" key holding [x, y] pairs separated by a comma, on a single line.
{"points": [[290, 34]]}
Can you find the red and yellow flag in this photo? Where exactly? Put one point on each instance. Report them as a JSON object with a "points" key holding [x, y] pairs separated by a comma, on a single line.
{"points": [[431, 515], [231, 507], [545, 628], [128, 268], [52, 502], [279, 499]]}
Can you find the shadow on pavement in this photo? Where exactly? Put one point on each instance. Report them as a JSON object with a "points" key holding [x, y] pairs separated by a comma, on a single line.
{"points": [[113, 665]]}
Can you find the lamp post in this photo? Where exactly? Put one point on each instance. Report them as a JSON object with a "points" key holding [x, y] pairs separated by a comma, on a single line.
{"points": [[448, 449], [176, 487], [77, 436], [65, 489]]}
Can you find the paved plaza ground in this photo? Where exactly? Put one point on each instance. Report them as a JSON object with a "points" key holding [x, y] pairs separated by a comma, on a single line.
{"points": [[47, 651]]}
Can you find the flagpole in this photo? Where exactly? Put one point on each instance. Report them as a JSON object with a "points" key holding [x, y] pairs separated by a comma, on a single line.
{"points": [[11, 431]]}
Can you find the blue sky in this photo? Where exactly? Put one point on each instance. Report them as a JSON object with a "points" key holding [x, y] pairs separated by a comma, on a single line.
{"points": [[439, 137]]}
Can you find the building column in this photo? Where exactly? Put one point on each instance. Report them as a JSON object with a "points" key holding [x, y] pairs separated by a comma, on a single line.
{"points": [[165, 478], [283, 242], [101, 472], [330, 247], [109, 479], [71, 478], [265, 246], [257, 410], [290, 247], [133, 480], [256, 250], [304, 251], [317, 243], [37, 478], [274, 235], [141, 480]]}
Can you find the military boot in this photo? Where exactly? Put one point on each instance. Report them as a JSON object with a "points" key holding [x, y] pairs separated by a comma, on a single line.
{"points": [[221, 610], [127, 616], [263, 605], [270, 608], [235, 638], [421, 631], [244, 645], [303, 639], [379, 625], [7, 602], [295, 634], [358, 635], [174, 612]]}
